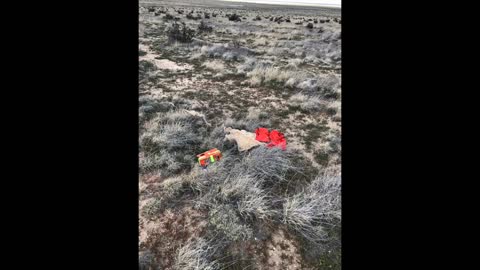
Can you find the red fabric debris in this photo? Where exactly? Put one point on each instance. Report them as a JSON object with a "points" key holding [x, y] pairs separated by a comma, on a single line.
{"points": [[274, 138], [277, 139], [262, 135]]}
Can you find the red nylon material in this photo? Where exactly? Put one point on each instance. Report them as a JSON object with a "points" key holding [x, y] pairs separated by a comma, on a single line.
{"points": [[262, 135], [277, 139]]}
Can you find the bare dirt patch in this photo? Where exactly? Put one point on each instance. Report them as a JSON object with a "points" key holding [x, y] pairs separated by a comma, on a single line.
{"points": [[174, 228]]}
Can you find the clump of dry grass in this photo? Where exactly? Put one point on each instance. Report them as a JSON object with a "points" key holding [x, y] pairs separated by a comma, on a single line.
{"points": [[270, 164], [255, 81], [175, 135], [263, 75], [308, 103], [215, 50], [261, 42], [149, 106], [247, 65], [295, 80], [214, 65], [294, 63], [252, 200], [169, 163], [328, 86], [254, 119], [170, 141], [226, 51], [224, 219], [195, 255], [256, 203], [276, 51]]}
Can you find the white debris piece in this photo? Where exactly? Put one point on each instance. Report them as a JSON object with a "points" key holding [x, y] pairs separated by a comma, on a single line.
{"points": [[245, 140]]}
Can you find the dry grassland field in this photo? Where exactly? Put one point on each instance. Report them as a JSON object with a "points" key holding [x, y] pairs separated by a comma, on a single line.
{"points": [[211, 72]]}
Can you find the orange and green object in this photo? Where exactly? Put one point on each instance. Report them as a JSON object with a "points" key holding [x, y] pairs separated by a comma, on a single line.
{"points": [[209, 156]]}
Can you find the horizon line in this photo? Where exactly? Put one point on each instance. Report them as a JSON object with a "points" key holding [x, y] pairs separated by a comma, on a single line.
{"points": [[284, 3]]}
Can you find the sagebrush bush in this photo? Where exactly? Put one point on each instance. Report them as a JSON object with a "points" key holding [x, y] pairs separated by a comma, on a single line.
{"points": [[176, 135], [234, 17], [328, 86], [247, 65], [204, 27], [191, 17], [266, 163], [251, 200], [229, 56], [309, 85], [180, 33], [256, 203], [148, 106], [257, 114], [145, 68], [310, 211], [308, 103], [215, 50], [225, 51], [170, 142], [243, 182], [224, 219]]}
